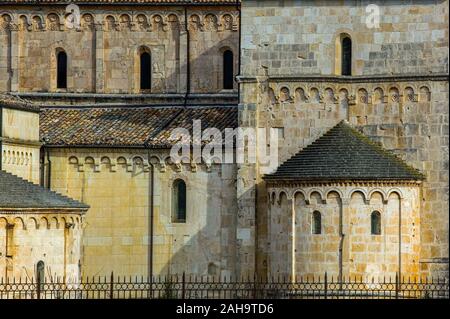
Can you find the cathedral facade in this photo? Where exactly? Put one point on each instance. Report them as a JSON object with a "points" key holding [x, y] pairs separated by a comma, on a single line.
{"points": [[92, 90]]}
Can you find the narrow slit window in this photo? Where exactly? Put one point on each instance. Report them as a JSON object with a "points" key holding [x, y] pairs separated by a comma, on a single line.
{"points": [[40, 273], [228, 74], [179, 201], [146, 71], [346, 56], [375, 223], [61, 81], [317, 223]]}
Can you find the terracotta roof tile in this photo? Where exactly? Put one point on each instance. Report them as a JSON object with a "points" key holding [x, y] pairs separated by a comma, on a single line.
{"points": [[127, 126]]}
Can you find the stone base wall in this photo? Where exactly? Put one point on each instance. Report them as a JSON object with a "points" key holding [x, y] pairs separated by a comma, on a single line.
{"points": [[53, 237], [295, 250], [116, 184]]}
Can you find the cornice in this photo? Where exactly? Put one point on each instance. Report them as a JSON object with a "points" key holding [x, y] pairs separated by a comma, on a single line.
{"points": [[348, 79]]}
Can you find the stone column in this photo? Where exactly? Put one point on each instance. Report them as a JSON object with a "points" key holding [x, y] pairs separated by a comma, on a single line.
{"points": [[183, 57], [344, 244], [14, 57], [99, 73]]}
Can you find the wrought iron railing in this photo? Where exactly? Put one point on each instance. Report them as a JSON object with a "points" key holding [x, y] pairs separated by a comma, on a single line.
{"points": [[201, 287]]}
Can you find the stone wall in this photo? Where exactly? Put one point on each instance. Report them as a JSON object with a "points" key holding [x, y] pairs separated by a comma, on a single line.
{"points": [[51, 236], [20, 143], [103, 53], [116, 185], [294, 250], [299, 37]]}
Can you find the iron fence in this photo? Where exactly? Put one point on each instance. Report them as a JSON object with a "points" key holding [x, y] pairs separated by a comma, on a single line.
{"points": [[200, 287]]}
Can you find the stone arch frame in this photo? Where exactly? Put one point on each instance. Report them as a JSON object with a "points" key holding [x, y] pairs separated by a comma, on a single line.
{"points": [[379, 215], [421, 93], [359, 190], [314, 214], [85, 25], [382, 92], [377, 190], [40, 20], [284, 94], [170, 22], [320, 192], [157, 22], [394, 94], [144, 25], [125, 25], [338, 37], [297, 96], [222, 21], [396, 191], [226, 46], [407, 91], [141, 49], [44, 223], [302, 192], [6, 15], [18, 221], [197, 20], [280, 194], [110, 22], [215, 22], [189, 189], [55, 51], [23, 22], [334, 190], [363, 96]]}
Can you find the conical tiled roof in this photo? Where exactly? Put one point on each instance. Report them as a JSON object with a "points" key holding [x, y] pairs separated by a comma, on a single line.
{"points": [[16, 192], [343, 153]]}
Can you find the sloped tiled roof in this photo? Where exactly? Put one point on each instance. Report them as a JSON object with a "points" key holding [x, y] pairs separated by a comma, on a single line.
{"points": [[16, 192], [128, 126], [13, 102], [109, 2], [343, 153]]}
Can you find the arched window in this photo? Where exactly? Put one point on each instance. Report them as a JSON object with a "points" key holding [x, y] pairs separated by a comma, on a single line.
{"points": [[346, 62], [179, 201], [146, 71], [228, 74], [61, 70], [40, 271], [375, 223], [317, 223]]}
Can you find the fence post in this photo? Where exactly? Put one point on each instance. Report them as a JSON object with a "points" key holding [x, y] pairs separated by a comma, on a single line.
{"points": [[183, 287], [111, 287], [326, 285], [396, 285]]}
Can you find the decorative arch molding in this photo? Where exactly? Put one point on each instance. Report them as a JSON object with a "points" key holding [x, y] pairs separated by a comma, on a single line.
{"points": [[137, 21], [128, 162], [361, 191], [395, 191], [334, 190], [380, 191], [339, 36], [29, 221], [318, 191], [369, 93]]}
